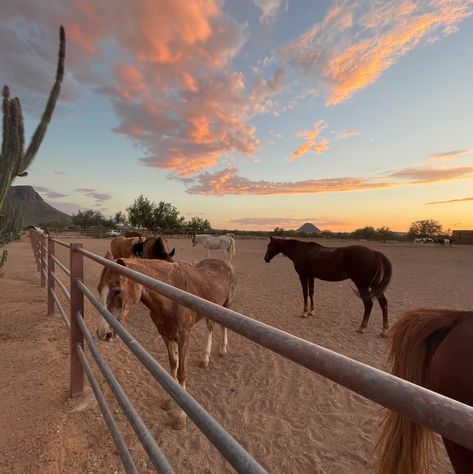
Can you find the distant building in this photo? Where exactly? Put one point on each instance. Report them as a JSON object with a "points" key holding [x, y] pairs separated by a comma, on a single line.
{"points": [[462, 236]]}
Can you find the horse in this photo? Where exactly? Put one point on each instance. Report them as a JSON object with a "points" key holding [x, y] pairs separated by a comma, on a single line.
{"points": [[123, 246], [154, 248], [431, 348], [137, 247], [224, 242], [134, 233], [369, 270], [211, 279]]}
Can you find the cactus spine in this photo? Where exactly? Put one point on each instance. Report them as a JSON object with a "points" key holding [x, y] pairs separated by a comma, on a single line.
{"points": [[14, 160]]}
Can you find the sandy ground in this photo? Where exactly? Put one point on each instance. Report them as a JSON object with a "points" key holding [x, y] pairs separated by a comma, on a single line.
{"points": [[289, 419]]}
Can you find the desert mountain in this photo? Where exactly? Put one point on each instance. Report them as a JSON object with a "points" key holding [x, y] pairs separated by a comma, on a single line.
{"points": [[35, 209], [308, 228]]}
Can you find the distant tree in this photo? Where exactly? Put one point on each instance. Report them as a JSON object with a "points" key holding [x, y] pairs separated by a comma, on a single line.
{"points": [[88, 218], [326, 234], [141, 213], [367, 232], [384, 233], [278, 231], [425, 228], [166, 217], [197, 224], [119, 218]]}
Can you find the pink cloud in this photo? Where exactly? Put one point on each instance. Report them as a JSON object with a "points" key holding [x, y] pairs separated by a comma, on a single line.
{"points": [[229, 181], [358, 40], [451, 155]]}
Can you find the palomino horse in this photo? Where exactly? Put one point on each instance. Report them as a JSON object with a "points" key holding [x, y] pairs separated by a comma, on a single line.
{"points": [[224, 242], [131, 247], [212, 279], [369, 270], [432, 348]]}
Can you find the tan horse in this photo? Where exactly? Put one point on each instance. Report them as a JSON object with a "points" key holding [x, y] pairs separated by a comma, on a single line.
{"points": [[122, 247], [211, 279]]}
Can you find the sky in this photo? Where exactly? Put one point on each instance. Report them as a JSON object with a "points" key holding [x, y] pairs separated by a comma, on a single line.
{"points": [[253, 114]]}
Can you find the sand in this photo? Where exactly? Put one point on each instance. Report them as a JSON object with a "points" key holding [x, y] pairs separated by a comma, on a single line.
{"points": [[289, 419]]}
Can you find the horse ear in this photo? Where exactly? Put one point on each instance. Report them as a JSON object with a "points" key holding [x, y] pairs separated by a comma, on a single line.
{"points": [[109, 255], [120, 261], [173, 251], [271, 237]]}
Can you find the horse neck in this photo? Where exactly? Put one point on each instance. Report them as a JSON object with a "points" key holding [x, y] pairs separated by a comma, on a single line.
{"points": [[289, 248]]}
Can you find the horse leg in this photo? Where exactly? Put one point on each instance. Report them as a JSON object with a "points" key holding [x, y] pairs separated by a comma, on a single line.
{"points": [[311, 295], [208, 347], [383, 302], [368, 303], [224, 342], [183, 344], [173, 363], [305, 291]]}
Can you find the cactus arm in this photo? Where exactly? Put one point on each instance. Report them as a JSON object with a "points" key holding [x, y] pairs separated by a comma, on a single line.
{"points": [[40, 131], [17, 135]]}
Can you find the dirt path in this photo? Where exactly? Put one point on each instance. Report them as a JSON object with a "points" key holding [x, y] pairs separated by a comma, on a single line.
{"points": [[289, 419]]}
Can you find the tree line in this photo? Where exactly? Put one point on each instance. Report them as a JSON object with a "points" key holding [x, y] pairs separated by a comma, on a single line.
{"points": [[143, 214]]}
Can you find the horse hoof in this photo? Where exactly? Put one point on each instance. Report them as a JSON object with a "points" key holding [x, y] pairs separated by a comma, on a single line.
{"points": [[361, 330], [384, 334], [310, 313], [166, 404], [204, 364], [222, 353], [304, 315], [179, 423]]}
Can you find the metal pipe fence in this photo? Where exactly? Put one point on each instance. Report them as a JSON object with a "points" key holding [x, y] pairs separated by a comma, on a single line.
{"points": [[450, 418]]}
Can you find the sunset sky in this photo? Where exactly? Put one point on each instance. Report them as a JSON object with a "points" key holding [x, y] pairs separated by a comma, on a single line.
{"points": [[252, 113]]}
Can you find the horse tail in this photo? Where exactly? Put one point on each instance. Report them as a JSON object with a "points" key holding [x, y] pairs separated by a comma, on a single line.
{"points": [[232, 246], [383, 276], [405, 445]]}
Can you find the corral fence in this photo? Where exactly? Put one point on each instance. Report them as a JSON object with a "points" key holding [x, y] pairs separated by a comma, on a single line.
{"points": [[450, 418]]}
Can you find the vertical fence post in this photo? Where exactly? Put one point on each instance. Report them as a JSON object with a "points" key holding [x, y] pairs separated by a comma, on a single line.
{"points": [[50, 277], [76, 336], [42, 243]]}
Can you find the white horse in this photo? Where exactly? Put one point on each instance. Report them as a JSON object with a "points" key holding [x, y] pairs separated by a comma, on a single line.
{"points": [[226, 243]]}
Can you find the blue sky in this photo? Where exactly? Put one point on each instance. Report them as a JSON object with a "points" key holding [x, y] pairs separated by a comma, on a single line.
{"points": [[252, 114]]}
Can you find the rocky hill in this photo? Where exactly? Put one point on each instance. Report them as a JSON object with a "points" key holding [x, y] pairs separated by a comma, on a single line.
{"points": [[35, 209], [308, 228]]}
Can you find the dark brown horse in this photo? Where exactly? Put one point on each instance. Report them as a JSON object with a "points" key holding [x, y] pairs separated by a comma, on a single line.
{"points": [[154, 248], [369, 270], [432, 348]]}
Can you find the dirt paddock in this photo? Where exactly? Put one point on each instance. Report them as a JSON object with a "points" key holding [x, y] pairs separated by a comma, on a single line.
{"points": [[289, 419]]}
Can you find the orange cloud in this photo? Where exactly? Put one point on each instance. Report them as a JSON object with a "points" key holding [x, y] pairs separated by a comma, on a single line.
{"points": [[451, 200], [228, 181], [356, 41], [311, 144]]}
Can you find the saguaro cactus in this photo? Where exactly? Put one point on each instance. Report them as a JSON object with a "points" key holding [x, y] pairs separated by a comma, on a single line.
{"points": [[14, 160]]}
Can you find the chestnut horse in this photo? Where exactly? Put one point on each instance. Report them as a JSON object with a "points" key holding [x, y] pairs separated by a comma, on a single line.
{"points": [[131, 247], [432, 348], [211, 279], [154, 247], [369, 270]]}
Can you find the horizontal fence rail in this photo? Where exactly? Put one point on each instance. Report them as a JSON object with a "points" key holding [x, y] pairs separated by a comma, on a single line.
{"points": [[450, 418]]}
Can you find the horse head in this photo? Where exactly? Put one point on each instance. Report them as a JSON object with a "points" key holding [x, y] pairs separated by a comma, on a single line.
{"points": [[274, 247], [119, 294]]}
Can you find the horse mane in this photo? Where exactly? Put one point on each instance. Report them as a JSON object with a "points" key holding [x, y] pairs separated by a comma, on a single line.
{"points": [[405, 445], [138, 249]]}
